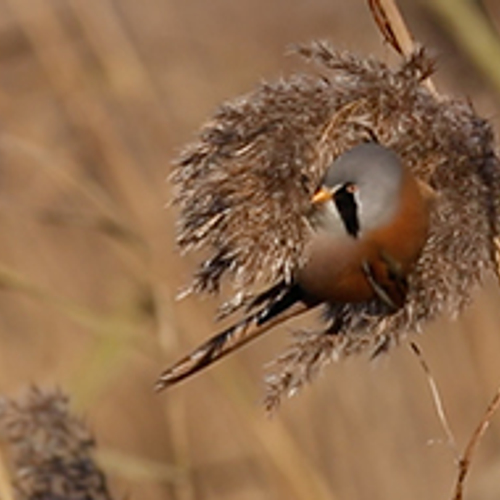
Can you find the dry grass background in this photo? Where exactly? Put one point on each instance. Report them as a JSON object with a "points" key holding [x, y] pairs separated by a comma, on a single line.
{"points": [[97, 96]]}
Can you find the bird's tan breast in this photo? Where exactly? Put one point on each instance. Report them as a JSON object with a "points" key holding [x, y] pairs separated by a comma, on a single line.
{"points": [[332, 272]]}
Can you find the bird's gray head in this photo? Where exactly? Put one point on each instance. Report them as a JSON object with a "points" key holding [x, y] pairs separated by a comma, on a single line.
{"points": [[360, 191]]}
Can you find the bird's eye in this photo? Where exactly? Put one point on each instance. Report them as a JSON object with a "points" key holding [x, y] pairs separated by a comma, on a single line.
{"points": [[351, 188]]}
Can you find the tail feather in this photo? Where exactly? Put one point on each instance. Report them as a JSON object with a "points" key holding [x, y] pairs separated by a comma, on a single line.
{"points": [[283, 307]]}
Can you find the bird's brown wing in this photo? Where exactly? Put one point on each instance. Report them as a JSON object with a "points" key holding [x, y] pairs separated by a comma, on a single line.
{"points": [[284, 306], [388, 281]]}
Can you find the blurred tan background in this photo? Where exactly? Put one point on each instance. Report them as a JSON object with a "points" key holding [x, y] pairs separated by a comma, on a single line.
{"points": [[97, 97]]}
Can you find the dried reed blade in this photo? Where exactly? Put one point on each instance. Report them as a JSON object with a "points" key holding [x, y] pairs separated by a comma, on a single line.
{"points": [[393, 28], [466, 459], [436, 397]]}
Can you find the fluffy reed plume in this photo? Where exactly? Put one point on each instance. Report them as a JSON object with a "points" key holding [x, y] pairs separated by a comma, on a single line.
{"points": [[243, 189], [50, 449]]}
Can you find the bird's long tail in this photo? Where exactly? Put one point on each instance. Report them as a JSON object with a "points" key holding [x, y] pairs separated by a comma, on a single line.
{"points": [[283, 303]]}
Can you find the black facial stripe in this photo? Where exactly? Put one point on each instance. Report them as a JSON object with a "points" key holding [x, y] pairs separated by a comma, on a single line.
{"points": [[348, 209]]}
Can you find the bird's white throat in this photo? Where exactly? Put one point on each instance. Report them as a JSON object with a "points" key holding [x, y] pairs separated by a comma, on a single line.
{"points": [[326, 218]]}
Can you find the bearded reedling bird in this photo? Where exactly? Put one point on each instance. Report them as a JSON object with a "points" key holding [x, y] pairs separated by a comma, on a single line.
{"points": [[368, 224]]}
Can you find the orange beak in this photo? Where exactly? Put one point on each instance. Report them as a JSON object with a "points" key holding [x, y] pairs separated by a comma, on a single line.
{"points": [[322, 195]]}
